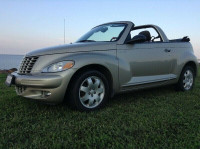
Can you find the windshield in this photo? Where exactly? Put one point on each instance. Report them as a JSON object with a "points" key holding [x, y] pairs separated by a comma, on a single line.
{"points": [[107, 32]]}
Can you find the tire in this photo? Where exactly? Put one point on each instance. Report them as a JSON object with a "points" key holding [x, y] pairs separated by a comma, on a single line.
{"points": [[186, 80], [89, 91]]}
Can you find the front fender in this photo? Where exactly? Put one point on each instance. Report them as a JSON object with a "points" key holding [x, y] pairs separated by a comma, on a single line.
{"points": [[106, 59]]}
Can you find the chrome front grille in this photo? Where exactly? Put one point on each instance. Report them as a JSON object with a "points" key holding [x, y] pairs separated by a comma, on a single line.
{"points": [[27, 65]]}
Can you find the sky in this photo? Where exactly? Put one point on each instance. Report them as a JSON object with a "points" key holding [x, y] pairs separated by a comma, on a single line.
{"points": [[26, 25]]}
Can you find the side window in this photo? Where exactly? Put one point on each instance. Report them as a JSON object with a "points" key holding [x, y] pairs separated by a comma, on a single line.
{"points": [[153, 37]]}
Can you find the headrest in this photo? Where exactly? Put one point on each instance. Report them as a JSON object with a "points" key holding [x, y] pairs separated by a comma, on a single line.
{"points": [[146, 34]]}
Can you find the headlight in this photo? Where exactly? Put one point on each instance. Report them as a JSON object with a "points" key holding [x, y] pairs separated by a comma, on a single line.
{"points": [[60, 66]]}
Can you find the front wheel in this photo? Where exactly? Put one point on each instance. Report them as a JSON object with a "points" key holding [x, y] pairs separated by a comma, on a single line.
{"points": [[186, 80], [89, 91]]}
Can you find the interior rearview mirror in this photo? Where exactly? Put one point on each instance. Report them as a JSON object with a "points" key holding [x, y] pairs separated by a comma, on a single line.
{"points": [[102, 29], [137, 39]]}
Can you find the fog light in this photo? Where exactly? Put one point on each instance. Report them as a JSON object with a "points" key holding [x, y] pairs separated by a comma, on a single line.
{"points": [[46, 93]]}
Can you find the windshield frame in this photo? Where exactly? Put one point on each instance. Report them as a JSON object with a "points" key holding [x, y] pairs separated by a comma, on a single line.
{"points": [[118, 38]]}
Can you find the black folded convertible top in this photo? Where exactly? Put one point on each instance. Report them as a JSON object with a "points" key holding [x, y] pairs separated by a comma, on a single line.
{"points": [[184, 39]]}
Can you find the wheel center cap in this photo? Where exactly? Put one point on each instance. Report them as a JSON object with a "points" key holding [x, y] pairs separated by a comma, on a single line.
{"points": [[91, 91]]}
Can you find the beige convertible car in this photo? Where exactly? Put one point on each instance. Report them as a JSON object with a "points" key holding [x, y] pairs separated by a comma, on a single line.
{"points": [[111, 58]]}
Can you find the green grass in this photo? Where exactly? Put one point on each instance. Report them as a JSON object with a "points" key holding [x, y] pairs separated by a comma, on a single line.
{"points": [[155, 118]]}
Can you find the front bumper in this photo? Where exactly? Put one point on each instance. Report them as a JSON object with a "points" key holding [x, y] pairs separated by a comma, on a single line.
{"points": [[43, 81], [45, 87]]}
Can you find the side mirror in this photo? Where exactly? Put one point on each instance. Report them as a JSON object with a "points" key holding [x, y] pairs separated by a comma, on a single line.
{"points": [[137, 39]]}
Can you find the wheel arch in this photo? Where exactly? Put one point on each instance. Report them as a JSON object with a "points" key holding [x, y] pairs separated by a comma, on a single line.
{"points": [[96, 67], [193, 65]]}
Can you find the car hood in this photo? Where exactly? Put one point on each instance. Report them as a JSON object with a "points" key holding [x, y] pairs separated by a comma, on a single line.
{"points": [[75, 47]]}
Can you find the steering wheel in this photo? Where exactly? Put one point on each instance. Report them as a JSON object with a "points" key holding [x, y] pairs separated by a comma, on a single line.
{"points": [[113, 39]]}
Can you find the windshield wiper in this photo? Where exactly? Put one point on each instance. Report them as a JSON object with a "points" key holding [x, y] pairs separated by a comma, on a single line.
{"points": [[86, 41]]}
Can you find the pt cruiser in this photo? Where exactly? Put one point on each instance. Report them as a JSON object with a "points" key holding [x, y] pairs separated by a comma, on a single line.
{"points": [[111, 58]]}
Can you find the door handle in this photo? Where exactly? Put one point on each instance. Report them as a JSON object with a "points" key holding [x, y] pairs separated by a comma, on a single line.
{"points": [[167, 50]]}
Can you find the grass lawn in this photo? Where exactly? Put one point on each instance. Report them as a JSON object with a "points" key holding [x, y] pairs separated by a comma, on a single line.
{"points": [[155, 118]]}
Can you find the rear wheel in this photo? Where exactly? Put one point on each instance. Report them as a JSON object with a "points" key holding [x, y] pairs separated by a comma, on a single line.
{"points": [[186, 80], [89, 91]]}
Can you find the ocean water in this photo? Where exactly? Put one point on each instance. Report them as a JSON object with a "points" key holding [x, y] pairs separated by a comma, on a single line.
{"points": [[10, 61]]}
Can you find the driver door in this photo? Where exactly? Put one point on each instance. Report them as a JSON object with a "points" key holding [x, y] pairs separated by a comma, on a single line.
{"points": [[148, 62]]}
